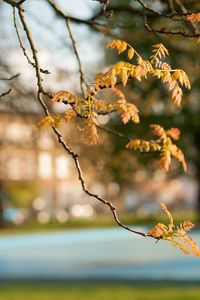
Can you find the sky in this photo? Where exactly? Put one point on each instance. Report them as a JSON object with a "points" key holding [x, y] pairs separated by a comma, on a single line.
{"points": [[52, 40]]}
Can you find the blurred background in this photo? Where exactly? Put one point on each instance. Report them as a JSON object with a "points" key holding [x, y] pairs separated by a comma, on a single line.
{"points": [[50, 231]]}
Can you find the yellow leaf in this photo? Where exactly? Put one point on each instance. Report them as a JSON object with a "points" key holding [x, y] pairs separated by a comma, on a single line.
{"points": [[89, 132], [131, 53], [165, 161], [158, 130], [69, 115], [46, 121], [158, 231], [164, 208], [57, 121], [160, 50], [64, 96], [195, 17], [174, 133]]}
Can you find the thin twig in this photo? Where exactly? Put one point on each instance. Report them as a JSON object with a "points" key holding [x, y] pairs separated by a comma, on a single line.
{"points": [[5, 93], [168, 32], [171, 6], [145, 12], [62, 15], [9, 78], [83, 82], [113, 132], [14, 3], [22, 46], [184, 10]]}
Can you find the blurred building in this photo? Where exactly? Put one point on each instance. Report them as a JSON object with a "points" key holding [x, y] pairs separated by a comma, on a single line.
{"points": [[37, 176], [32, 156]]}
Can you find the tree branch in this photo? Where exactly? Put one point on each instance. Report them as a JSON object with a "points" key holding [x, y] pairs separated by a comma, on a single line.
{"points": [[22, 47], [62, 15], [83, 82], [58, 134], [10, 78], [5, 93], [168, 32]]}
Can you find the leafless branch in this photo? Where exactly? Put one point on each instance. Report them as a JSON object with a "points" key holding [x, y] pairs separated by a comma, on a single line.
{"points": [[14, 3], [168, 32], [10, 78], [113, 132], [83, 82], [62, 15], [5, 93], [22, 46]]}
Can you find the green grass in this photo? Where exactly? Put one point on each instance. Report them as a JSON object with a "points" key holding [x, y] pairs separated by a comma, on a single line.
{"points": [[97, 292], [99, 222]]}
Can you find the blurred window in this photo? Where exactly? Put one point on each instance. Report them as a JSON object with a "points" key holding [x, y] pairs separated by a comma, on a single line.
{"points": [[45, 141], [62, 167], [15, 168], [17, 132], [45, 165], [30, 166], [20, 166]]}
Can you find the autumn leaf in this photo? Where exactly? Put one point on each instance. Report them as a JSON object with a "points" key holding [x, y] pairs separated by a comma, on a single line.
{"points": [[69, 115], [195, 17], [46, 121]]}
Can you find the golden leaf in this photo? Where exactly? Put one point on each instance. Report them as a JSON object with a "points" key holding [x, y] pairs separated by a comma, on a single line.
{"points": [[171, 221], [113, 78], [69, 115], [187, 225], [195, 17], [128, 111], [134, 144], [192, 245], [125, 117], [178, 154], [174, 133], [120, 45], [158, 231], [124, 76], [89, 132], [177, 94], [57, 121], [64, 96], [131, 53], [158, 130], [46, 121], [160, 50], [165, 161], [143, 146], [184, 249]]}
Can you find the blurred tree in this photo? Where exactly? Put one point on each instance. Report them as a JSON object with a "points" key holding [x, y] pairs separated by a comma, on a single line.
{"points": [[139, 23], [150, 98]]}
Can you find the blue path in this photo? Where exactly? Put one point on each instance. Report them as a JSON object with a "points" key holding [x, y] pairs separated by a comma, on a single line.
{"points": [[98, 254]]}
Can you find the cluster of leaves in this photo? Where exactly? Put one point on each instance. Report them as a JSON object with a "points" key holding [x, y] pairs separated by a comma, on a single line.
{"points": [[175, 235], [48, 120], [142, 68], [164, 145], [89, 107]]}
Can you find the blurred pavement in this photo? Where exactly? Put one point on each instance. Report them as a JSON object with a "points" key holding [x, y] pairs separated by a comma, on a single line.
{"points": [[98, 254]]}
